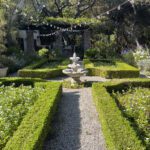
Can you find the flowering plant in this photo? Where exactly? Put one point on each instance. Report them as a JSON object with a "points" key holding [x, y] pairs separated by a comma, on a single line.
{"points": [[14, 104], [141, 54], [135, 104]]}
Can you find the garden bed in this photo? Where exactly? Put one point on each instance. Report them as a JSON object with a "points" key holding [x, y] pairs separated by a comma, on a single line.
{"points": [[111, 69], [33, 110], [135, 106], [46, 70], [119, 124]]}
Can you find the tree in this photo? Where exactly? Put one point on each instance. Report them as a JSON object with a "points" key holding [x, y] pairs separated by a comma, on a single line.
{"points": [[2, 29]]}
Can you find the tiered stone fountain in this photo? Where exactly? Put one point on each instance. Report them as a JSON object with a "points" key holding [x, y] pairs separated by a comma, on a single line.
{"points": [[75, 70]]}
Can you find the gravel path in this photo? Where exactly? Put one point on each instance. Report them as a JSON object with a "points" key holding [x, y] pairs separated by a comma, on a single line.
{"points": [[84, 78], [76, 125]]}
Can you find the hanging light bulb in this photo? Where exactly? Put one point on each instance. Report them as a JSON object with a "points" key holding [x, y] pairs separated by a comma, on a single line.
{"points": [[31, 18], [119, 7], [131, 1], [98, 17], [78, 3], [16, 10], [107, 12], [24, 14], [7, 6]]}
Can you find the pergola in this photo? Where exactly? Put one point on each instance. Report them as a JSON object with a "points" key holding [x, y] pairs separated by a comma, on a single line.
{"points": [[55, 34]]}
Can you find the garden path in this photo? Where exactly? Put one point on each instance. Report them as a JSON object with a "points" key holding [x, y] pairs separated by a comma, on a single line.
{"points": [[76, 125]]}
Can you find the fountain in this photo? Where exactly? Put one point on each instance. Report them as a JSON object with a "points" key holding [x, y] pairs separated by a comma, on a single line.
{"points": [[75, 70]]}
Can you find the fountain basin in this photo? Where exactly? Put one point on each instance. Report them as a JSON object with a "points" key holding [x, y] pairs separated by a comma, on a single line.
{"points": [[75, 70], [70, 73]]}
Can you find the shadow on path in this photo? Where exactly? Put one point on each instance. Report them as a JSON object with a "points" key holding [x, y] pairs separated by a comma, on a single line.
{"points": [[66, 126]]}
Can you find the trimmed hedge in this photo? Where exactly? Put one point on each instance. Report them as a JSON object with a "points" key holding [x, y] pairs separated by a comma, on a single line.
{"points": [[35, 126], [18, 81], [117, 70], [34, 70], [117, 130], [37, 64], [41, 73]]}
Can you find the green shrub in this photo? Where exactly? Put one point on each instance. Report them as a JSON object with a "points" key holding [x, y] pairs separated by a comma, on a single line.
{"points": [[36, 124], [44, 52], [39, 73], [116, 128], [17, 81], [129, 58], [36, 64], [91, 53]]}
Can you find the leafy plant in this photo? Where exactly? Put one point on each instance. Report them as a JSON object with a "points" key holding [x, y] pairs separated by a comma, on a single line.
{"points": [[128, 57], [135, 104], [141, 54], [91, 53], [44, 52]]}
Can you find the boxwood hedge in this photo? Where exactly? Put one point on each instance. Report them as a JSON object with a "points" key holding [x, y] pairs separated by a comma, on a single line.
{"points": [[41, 73], [34, 70], [117, 130], [111, 69], [35, 126]]}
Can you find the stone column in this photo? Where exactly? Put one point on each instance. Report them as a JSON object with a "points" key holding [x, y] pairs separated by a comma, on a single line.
{"points": [[86, 39], [29, 41], [58, 45]]}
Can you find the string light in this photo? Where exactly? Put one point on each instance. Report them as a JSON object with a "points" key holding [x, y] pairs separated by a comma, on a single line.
{"points": [[131, 1], [119, 7], [16, 10], [107, 12], [80, 25]]}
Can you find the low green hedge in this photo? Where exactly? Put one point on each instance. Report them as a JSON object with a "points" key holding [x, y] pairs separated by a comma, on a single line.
{"points": [[37, 64], [35, 126], [111, 70], [41, 73], [34, 70], [117, 130], [18, 81]]}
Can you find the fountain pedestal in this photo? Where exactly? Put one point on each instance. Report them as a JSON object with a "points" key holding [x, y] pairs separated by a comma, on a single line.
{"points": [[75, 80]]}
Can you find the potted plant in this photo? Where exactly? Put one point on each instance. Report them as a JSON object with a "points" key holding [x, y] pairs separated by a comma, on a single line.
{"points": [[3, 70]]}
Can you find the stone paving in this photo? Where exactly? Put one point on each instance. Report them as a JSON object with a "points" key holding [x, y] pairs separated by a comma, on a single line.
{"points": [[76, 125]]}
